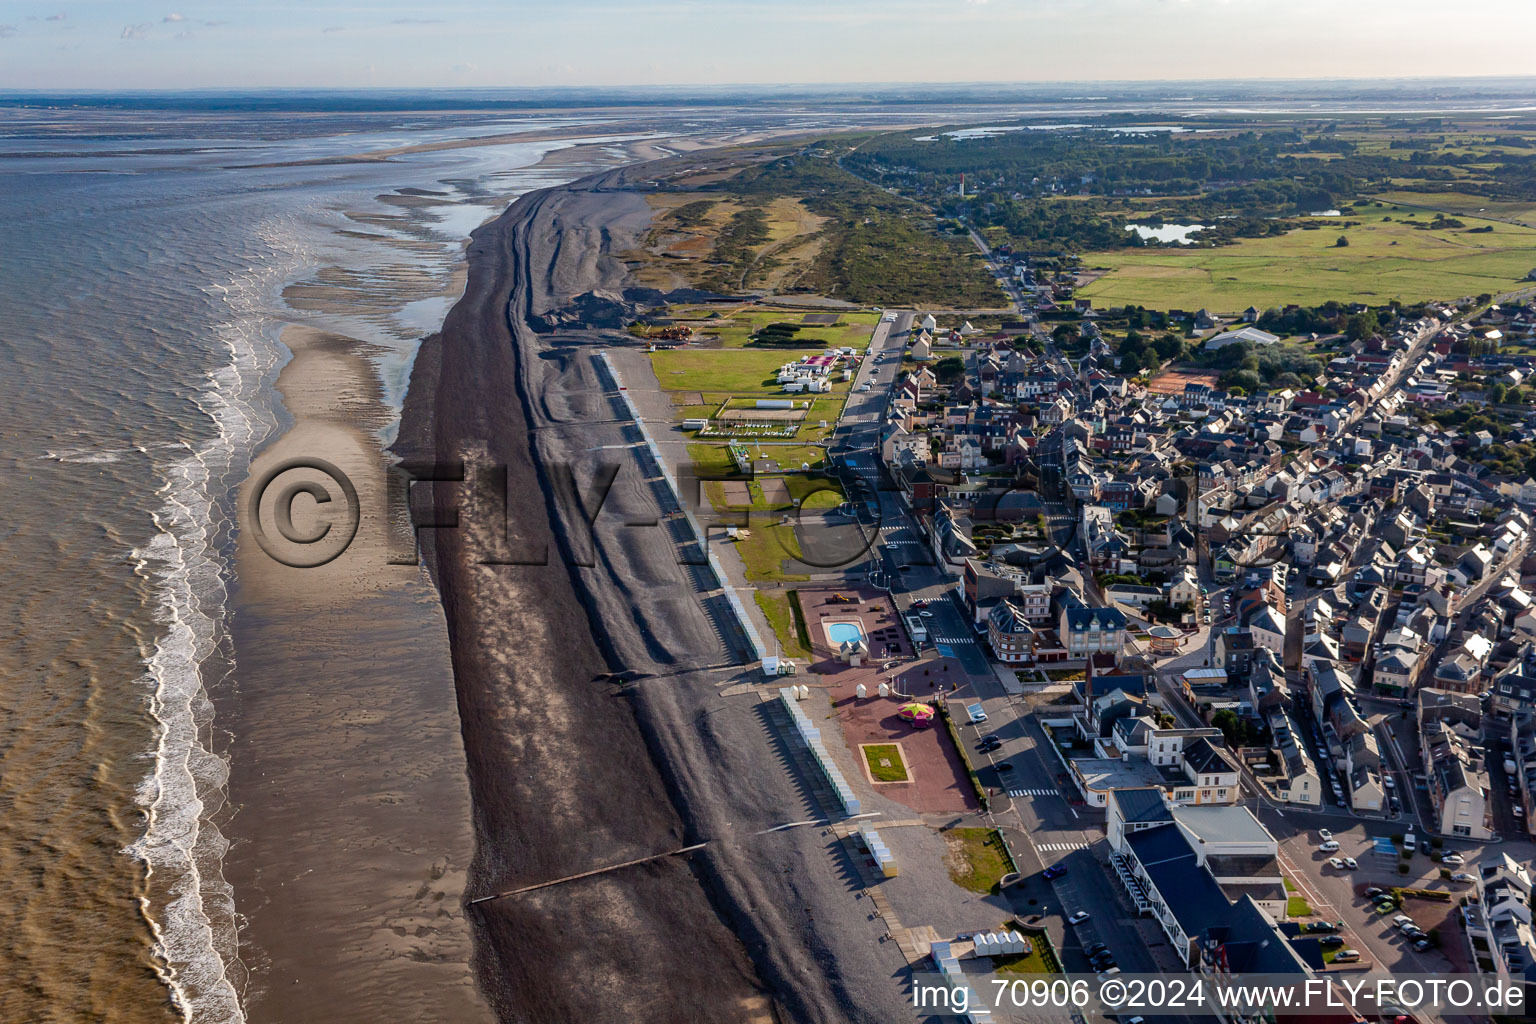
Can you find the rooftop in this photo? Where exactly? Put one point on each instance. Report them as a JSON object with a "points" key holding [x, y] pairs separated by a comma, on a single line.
{"points": [[1222, 824]]}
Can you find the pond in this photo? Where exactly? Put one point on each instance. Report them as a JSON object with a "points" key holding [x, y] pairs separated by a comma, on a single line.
{"points": [[1179, 233]]}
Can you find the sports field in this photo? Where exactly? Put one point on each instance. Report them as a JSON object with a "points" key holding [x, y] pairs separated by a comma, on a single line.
{"points": [[1387, 258]]}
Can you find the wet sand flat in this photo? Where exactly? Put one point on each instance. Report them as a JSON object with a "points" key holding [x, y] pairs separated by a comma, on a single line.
{"points": [[352, 822]]}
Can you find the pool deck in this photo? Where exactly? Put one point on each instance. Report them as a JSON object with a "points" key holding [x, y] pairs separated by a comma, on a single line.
{"points": [[938, 780]]}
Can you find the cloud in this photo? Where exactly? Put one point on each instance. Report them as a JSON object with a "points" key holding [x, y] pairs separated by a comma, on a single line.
{"points": [[464, 69], [56, 17], [138, 31], [6, 31], [417, 21], [184, 35], [173, 17], [214, 24], [333, 28]]}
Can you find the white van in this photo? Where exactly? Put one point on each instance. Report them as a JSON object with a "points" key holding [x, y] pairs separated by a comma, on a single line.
{"points": [[1409, 843]]}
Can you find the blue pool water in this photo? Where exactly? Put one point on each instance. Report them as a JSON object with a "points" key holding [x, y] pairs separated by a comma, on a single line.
{"points": [[841, 632]]}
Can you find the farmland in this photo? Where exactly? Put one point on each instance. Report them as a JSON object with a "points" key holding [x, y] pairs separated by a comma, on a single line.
{"points": [[1387, 257]]}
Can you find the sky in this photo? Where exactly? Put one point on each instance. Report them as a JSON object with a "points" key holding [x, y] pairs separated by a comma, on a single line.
{"points": [[171, 44]]}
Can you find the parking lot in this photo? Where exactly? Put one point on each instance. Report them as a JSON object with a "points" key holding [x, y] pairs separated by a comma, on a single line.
{"points": [[1339, 893]]}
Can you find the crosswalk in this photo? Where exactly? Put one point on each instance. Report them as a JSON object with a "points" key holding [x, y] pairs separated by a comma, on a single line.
{"points": [[1033, 792], [1061, 847]]}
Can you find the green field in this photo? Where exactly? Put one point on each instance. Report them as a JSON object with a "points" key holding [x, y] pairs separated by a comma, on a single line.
{"points": [[776, 608], [976, 859], [765, 549], [885, 762], [1461, 205], [739, 371], [1387, 258], [735, 330]]}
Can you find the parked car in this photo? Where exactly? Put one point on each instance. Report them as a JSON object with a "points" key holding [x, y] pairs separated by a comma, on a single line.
{"points": [[1346, 956], [1454, 860], [1329, 847], [1401, 919], [1330, 941], [977, 713], [1055, 871], [1372, 891], [1421, 945], [1103, 961], [1463, 876], [1336, 863], [1322, 926], [989, 744], [1351, 863], [1095, 949], [1324, 834], [1004, 767], [1078, 918], [1105, 975]]}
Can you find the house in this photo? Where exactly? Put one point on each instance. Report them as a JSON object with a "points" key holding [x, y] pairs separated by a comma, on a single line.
{"points": [[1184, 588], [1010, 633], [1267, 626], [1458, 781], [1501, 917], [1086, 630], [1233, 651], [1299, 782]]}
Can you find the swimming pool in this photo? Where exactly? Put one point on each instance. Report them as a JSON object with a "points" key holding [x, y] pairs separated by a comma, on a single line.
{"points": [[841, 632]]}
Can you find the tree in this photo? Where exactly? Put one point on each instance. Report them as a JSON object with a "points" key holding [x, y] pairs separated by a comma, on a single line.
{"points": [[948, 369], [1342, 243], [1496, 394], [1169, 346], [1361, 325], [1226, 720]]}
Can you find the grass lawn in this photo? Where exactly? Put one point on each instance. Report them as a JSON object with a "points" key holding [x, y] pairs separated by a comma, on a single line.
{"points": [[740, 371], [711, 460], [885, 762], [765, 550], [1064, 675], [1386, 258], [814, 491], [1290, 886], [1032, 962], [976, 861], [775, 606], [1297, 906]]}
